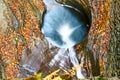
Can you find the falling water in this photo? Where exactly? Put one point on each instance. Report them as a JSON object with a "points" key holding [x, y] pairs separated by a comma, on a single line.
{"points": [[75, 62], [50, 3], [64, 55], [58, 57], [53, 59]]}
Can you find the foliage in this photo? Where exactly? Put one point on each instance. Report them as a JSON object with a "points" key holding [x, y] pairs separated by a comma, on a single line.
{"points": [[35, 77]]}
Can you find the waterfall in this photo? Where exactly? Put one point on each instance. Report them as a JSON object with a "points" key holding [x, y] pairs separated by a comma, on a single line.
{"points": [[75, 62], [50, 4], [62, 56]]}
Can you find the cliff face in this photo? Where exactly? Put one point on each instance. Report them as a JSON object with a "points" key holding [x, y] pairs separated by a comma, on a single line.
{"points": [[113, 66], [95, 48]]}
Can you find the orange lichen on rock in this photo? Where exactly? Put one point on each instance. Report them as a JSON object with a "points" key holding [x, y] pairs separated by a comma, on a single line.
{"points": [[15, 40], [29, 15], [0, 29], [8, 51], [99, 34]]}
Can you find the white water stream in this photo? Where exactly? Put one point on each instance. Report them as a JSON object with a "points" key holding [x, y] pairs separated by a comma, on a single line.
{"points": [[75, 62], [71, 54]]}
